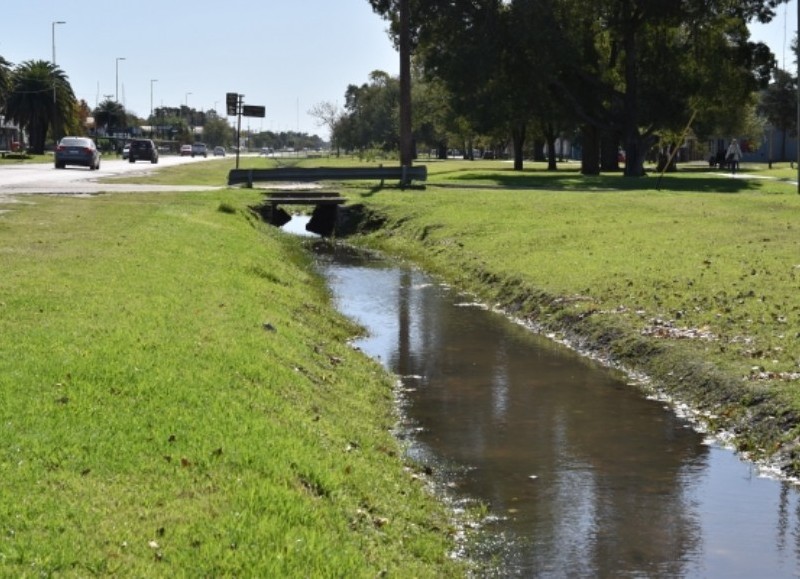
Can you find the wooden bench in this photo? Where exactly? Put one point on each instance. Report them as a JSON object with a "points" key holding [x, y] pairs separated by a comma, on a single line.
{"points": [[404, 175]]}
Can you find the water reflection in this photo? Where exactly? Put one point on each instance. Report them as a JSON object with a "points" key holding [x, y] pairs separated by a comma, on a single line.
{"points": [[587, 477]]}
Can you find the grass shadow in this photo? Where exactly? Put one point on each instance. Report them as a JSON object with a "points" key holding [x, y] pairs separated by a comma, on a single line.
{"points": [[689, 180]]}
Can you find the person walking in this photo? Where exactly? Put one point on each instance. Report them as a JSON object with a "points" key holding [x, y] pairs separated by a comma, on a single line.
{"points": [[733, 156]]}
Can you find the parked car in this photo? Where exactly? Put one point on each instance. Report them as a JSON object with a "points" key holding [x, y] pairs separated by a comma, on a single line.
{"points": [[186, 150], [77, 151], [219, 151], [143, 150], [199, 149], [126, 151]]}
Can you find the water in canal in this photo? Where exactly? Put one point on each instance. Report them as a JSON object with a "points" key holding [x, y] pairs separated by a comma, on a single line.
{"points": [[584, 476]]}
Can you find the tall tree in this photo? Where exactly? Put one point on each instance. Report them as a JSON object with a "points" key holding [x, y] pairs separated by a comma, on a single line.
{"points": [[40, 99], [5, 81], [111, 115], [779, 105], [371, 116]]}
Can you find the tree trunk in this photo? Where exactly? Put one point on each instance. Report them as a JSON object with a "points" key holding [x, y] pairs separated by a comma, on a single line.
{"points": [[406, 142], [609, 152], [551, 152], [591, 151], [634, 158], [518, 135]]}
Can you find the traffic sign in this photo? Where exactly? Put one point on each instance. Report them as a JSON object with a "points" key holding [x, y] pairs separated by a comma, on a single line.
{"points": [[254, 111], [231, 102]]}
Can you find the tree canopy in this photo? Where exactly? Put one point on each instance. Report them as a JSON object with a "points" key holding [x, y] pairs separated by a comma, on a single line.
{"points": [[40, 99], [624, 71]]}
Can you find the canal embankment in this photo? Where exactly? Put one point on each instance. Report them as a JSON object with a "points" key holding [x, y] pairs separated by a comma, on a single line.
{"points": [[697, 293], [179, 397]]}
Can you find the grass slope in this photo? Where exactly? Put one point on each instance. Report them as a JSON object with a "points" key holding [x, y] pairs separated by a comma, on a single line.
{"points": [[177, 398]]}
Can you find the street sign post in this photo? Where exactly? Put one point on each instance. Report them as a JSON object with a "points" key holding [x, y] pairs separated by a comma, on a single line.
{"points": [[234, 103], [254, 111]]}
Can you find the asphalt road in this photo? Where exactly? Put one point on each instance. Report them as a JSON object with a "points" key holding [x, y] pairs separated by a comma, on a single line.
{"points": [[34, 178]]}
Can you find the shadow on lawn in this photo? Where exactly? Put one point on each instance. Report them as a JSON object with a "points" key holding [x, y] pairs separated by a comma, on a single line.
{"points": [[704, 181]]}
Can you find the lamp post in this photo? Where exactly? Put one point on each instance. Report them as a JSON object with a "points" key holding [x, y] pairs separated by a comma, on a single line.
{"points": [[53, 34], [117, 77], [188, 116], [152, 80], [53, 38]]}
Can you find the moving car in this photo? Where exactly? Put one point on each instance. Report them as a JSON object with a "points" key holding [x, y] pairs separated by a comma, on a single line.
{"points": [[219, 151], [77, 151], [186, 150], [199, 149], [143, 150]]}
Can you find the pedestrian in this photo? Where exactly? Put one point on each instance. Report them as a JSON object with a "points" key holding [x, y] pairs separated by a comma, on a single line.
{"points": [[733, 156]]}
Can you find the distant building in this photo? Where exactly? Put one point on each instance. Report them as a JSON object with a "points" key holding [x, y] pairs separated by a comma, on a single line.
{"points": [[771, 148]]}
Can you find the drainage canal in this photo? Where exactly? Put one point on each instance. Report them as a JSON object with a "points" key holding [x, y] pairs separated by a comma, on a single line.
{"points": [[583, 476]]}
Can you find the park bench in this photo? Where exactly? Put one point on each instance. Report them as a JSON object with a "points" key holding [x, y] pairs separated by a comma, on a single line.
{"points": [[404, 175]]}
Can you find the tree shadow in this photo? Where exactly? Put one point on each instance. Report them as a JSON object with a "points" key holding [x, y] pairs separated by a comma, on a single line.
{"points": [[691, 180]]}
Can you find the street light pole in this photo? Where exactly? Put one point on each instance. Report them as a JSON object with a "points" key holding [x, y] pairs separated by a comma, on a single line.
{"points": [[53, 38], [152, 80], [53, 33], [188, 116], [117, 77]]}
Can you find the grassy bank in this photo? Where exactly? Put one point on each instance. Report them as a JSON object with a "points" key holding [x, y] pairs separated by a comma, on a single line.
{"points": [[693, 279], [177, 398]]}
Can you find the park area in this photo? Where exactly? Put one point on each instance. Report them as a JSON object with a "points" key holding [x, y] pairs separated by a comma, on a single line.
{"points": [[178, 394]]}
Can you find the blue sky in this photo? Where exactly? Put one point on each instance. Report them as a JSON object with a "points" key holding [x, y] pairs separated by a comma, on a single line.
{"points": [[779, 33], [286, 55]]}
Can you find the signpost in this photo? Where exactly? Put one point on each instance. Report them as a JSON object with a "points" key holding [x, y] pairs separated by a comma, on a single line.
{"points": [[253, 111], [234, 103]]}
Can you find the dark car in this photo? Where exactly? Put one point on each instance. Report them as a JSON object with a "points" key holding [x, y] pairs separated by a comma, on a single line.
{"points": [[143, 150], [199, 149], [77, 151]]}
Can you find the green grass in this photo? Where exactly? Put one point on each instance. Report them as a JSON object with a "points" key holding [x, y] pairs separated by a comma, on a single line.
{"points": [[27, 158], [177, 398]]}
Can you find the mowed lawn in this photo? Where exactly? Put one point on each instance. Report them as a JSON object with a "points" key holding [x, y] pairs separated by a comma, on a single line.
{"points": [[178, 398]]}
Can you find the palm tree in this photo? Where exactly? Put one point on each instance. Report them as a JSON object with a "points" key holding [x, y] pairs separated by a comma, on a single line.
{"points": [[111, 115], [40, 99], [5, 81]]}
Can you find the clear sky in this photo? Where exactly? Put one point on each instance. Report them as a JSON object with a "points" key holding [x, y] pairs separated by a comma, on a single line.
{"points": [[286, 55], [779, 34]]}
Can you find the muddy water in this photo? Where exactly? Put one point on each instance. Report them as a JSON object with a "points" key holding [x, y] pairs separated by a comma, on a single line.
{"points": [[583, 476]]}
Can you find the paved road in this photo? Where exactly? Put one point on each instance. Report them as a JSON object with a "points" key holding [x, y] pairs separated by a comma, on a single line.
{"points": [[44, 178]]}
